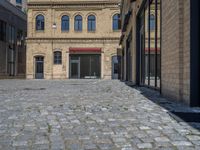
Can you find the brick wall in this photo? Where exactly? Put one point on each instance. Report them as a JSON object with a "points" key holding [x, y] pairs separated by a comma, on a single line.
{"points": [[176, 49]]}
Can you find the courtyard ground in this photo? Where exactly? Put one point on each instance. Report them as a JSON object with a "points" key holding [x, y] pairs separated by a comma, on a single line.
{"points": [[90, 115]]}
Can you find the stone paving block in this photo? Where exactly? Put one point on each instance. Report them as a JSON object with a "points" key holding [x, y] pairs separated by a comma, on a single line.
{"points": [[106, 146], [88, 114], [162, 139], [162, 144], [176, 137], [193, 137], [181, 143], [20, 143], [144, 146]]}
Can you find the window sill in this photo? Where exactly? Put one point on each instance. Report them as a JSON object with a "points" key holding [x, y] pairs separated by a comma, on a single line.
{"points": [[39, 31], [67, 31], [116, 30], [78, 31], [91, 31], [57, 64]]}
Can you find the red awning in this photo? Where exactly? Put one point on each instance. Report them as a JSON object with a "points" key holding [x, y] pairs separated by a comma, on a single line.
{"points": [[84, 50], [152, 49]]}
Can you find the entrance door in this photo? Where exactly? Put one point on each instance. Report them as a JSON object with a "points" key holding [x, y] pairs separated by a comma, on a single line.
{"points": [[75, 67], [115, 68], [39, 67]]}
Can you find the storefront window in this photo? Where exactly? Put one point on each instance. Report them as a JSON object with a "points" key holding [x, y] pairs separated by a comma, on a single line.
{"points": [[149, 31], [85, 66]]}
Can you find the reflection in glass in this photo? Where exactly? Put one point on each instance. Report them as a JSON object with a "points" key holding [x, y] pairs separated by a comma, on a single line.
{"points": [[86, 66], [146, 50], [150, 60], [78, 23]]}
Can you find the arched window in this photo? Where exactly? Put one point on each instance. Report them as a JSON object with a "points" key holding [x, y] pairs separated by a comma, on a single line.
{"points": [[57, 57], [152, 22], [91, 23], [65, 23], [78, 23], [40, 22], [116, 22]]}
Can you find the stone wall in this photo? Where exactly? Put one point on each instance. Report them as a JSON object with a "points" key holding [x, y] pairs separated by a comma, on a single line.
{"points": [[44, 43], [176, 49]]}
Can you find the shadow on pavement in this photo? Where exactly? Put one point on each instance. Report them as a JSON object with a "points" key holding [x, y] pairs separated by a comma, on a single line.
{"points": [[177, 110]]}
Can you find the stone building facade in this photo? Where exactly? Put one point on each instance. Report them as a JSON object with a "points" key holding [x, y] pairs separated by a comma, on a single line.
{"points": [[175, 46], [12, 41], [75, 39]]}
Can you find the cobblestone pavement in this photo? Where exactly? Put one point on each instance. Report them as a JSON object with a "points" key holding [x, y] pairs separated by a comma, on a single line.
{"points": [[88, 115]]}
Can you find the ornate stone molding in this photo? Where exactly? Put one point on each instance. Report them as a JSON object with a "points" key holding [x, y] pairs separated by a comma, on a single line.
{"points": [[73, 40], [75, 4]]}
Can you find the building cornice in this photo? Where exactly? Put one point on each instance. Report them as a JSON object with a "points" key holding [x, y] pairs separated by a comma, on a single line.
{"points": [[73, 40], [74, 4]]}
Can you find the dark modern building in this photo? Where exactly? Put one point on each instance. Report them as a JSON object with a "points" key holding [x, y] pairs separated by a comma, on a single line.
{"points": [[20, 4], [12, 41]]}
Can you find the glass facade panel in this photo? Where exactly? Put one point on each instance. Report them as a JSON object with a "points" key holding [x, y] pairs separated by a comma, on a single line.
{"points": [[85, 66], [19, 1], [74, 70], [90, 66], [152, 56], [146, 49], [2, 31], [158, 43], [95, 66], [149, 31]]}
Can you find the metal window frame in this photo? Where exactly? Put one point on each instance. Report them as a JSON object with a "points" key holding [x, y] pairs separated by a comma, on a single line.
{"points": [[41, 27], [194, 53], [138, 66], [79, 22], [65, 28], [57, 58], [91, 23]]}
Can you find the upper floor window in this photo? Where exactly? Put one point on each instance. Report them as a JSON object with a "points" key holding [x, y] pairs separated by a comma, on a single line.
{"points": [[91, 23], [78, 23], [2, 31], [152, 22], [116, 22], [65, 23], [40, 22], [57, 57], [19, 1]]}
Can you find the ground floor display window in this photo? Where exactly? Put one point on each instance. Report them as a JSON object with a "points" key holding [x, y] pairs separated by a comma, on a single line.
{"points": [[148, 42], [85, 66]]}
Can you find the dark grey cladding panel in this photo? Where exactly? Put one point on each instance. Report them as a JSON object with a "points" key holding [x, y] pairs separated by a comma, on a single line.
{"points": [[12, 9]]}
